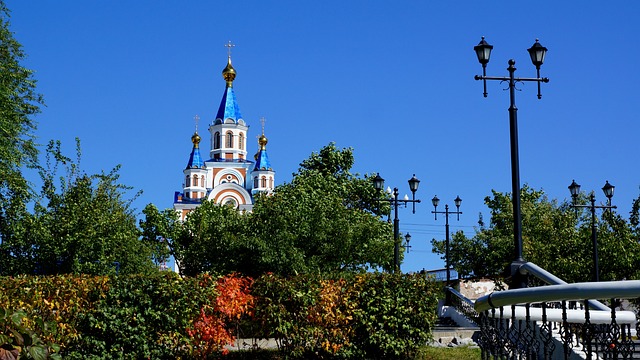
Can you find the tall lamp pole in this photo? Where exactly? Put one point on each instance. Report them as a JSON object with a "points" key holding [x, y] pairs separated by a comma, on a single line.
{"points": [[435, 201], [378, 183], [537, 53], [574, 189]]}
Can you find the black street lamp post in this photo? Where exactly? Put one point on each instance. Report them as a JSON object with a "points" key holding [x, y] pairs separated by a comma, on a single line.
{"points": [[378, 183], [537, 53], [435, 201], [574, 188]]}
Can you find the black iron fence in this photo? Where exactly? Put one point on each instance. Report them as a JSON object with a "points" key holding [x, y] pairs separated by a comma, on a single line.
{"points": [[463, 305], [440, 275], [558, 321]]}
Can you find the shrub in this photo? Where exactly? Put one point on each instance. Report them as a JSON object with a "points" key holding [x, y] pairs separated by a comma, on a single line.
{"points": [[354, 316], [53, 299], [395, 314], [213, 329], [282, 310], [143, 317], [374, 315], [18, 341]]}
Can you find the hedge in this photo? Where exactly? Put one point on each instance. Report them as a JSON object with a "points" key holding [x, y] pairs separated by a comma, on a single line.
{"points": [[372, 315]]}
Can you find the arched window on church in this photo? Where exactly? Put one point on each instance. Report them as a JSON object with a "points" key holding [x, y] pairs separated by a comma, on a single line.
{"points": [[202, 181], [255, 182], [216, 140], [195, 180], [229, 137], [271, 183], [187, 181], [241, 141], [263, 183]]}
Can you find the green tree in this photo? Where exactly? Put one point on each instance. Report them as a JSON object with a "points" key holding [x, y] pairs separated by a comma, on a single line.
{"points": [[83, 223], [326, 219], [159, 228], [555, 237], [209, 240], [19, 101]]}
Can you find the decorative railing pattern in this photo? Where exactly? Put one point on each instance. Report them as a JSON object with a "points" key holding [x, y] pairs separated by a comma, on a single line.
{"points": [[440, 275], [463, 305], [538, 334], [558, 321]]}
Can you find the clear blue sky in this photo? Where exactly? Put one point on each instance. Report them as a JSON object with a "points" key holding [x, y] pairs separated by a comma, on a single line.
{"points": [[392, 79]]}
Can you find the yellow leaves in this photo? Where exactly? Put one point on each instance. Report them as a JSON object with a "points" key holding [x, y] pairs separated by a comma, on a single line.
{"points": [[59, 299]]}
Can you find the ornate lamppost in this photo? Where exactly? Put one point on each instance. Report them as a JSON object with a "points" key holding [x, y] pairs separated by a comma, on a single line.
{"points": [[537, 53], [574, 189], [457, 201], [378, 183]]}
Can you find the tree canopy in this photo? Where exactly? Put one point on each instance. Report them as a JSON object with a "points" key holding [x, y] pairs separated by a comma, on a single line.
{"points": [[555, 237], [326, 219], [80, 224], [19, 101]]}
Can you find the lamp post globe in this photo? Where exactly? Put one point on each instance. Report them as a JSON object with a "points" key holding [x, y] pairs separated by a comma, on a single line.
{"points": [[608, 190], [378, 182], [574, 189], [537, 52], [414, 183], [483, 51]]}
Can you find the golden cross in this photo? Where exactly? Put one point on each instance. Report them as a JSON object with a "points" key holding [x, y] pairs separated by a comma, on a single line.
{"points": [[196, 118]]}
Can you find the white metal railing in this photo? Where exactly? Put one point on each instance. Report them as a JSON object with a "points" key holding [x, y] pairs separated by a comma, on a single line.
{"points": [[538, 323]]}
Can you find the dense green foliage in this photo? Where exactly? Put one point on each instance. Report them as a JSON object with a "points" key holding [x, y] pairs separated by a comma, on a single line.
{"points": [[118, 317], [555, 237], [80, 224], [325, 220], [142, 317], [371, 315], [18, 341], [367, 316], [19, 101]]}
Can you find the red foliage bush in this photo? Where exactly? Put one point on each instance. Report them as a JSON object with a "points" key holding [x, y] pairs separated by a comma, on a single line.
{"points": [[212, 330]]}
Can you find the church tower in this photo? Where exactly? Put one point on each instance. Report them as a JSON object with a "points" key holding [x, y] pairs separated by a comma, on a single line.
{"points": [[228, 177], [263, 175]]}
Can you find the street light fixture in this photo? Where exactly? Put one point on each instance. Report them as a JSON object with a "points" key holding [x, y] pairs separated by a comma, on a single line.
{"points": [[537, 52], [407, 238], [574, 189], [378, 183], [457, 201]]}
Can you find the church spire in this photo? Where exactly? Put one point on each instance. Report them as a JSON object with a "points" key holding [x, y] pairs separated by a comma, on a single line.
{"points": [[195, 160], [229, 108], [261, 157]]}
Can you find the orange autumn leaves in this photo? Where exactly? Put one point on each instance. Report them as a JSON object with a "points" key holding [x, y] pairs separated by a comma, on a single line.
{"points": [[211, 330]]}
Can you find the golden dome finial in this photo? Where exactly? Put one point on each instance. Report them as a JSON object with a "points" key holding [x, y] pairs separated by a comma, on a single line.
{"points": [[195, 139], [229, 73], [262, 140]]}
